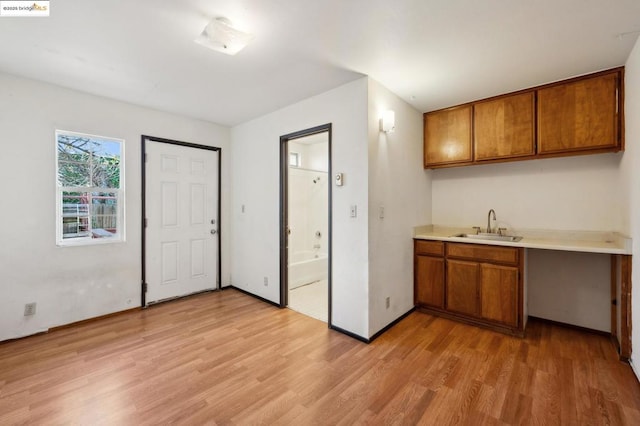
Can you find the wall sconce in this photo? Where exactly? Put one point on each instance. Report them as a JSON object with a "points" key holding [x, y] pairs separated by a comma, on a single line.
{"points": [[388, 121], [221, 36]]}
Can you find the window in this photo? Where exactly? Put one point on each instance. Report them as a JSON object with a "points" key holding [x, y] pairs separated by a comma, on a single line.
{"points": [[90, 195], [294, 159]]}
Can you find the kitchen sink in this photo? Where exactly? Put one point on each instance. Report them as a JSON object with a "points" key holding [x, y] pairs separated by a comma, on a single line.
{"points": [[486, 236]]}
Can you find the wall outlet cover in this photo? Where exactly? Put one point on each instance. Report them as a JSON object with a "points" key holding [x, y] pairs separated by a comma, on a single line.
{"points": [[29, 309]]}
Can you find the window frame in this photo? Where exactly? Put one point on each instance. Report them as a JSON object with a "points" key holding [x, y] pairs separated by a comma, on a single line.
{"points": [[297, 162], [119, 236]]}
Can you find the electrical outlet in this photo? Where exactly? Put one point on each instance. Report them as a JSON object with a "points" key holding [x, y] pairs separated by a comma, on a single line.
{"points": [[387, 302], [266, 281], [30, 309], [354, 211]]}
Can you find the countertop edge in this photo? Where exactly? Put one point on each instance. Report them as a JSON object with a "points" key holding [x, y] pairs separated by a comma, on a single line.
{"points": [[612, 243]]}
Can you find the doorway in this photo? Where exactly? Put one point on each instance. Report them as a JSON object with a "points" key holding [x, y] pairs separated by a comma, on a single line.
{"points": [[305, 258], [181, 212]]}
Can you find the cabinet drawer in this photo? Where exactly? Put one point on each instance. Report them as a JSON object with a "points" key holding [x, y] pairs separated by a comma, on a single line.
{"points": [[482, 252], [434, 248]]}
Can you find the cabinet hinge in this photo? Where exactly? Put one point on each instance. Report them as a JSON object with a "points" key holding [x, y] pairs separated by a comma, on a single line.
{"points": [[146, 222], [617, 100], [614, 302], [144, 287], [146, 157]]}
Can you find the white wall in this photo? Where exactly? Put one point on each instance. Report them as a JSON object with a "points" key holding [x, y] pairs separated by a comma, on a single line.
{"points": [[308, 210], [313, 156], [630, 174], [569, 287], [571, 193], [255, 181], [399, 184], [73, 283]]}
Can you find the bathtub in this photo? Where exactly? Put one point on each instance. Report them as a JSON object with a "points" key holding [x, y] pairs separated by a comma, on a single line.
{"points": [[305, 268]]}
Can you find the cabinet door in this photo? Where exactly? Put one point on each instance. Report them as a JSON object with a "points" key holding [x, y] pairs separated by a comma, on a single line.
{"points": [[462, 287], [499, 293], [429, 281], [447, 136], [503, 127], [581, 115]]}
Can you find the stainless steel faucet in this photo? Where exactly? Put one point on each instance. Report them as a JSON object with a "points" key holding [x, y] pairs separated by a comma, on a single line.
{"points": [[489, 220]]}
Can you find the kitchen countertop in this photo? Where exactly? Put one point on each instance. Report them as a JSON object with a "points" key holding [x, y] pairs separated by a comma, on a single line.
{"points": [[580, 241]]}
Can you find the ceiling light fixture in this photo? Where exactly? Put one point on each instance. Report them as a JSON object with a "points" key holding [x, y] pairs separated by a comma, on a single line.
{"points": [[219, 35]]}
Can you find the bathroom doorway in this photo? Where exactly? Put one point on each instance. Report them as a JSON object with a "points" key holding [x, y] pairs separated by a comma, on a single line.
{"points": [[305, 255]]}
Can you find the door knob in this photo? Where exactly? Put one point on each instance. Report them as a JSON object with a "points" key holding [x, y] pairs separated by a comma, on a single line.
{"points": [[213, 232]]}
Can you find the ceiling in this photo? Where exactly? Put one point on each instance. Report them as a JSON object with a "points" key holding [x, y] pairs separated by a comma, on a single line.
{"points": [[432, 53]]}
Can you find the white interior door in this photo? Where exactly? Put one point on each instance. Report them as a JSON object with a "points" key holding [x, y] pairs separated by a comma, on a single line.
{"points": [[181, 251]]}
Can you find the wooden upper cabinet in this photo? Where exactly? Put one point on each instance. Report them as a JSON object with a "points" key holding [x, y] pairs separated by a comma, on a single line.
{"points": [[580, 115], [447, 136], [504, 127]]}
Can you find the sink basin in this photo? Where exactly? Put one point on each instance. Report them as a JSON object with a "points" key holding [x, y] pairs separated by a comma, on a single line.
{"points": [[485, 236]]}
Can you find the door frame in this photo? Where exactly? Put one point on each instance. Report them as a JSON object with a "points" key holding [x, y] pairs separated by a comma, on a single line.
{"points": [[143, 159], [284, 212]]}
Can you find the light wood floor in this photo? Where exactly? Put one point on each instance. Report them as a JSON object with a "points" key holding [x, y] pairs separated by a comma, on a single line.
{"points": [[227, 358]]}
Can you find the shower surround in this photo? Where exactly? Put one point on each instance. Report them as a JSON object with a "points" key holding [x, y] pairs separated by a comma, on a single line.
{"points": [[308, 224]]}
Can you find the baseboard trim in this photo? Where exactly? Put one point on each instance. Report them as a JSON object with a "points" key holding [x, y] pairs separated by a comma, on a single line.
{"points": [[391, 324], [277, 305], [350, 334], [15, 339], [73, 324], [92, 319]]}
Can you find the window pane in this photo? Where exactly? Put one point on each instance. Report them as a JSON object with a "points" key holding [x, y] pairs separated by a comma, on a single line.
{"points": [[104, 214], [75, 215], [106, 172], [74, 148], [294, 159], [88, 161], [74, 159], [73, 174]]}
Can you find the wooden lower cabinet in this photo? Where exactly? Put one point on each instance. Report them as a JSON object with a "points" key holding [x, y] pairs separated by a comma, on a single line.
{"points": [[462, 287], [474, 283], [429, 272], [499, 294]]}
